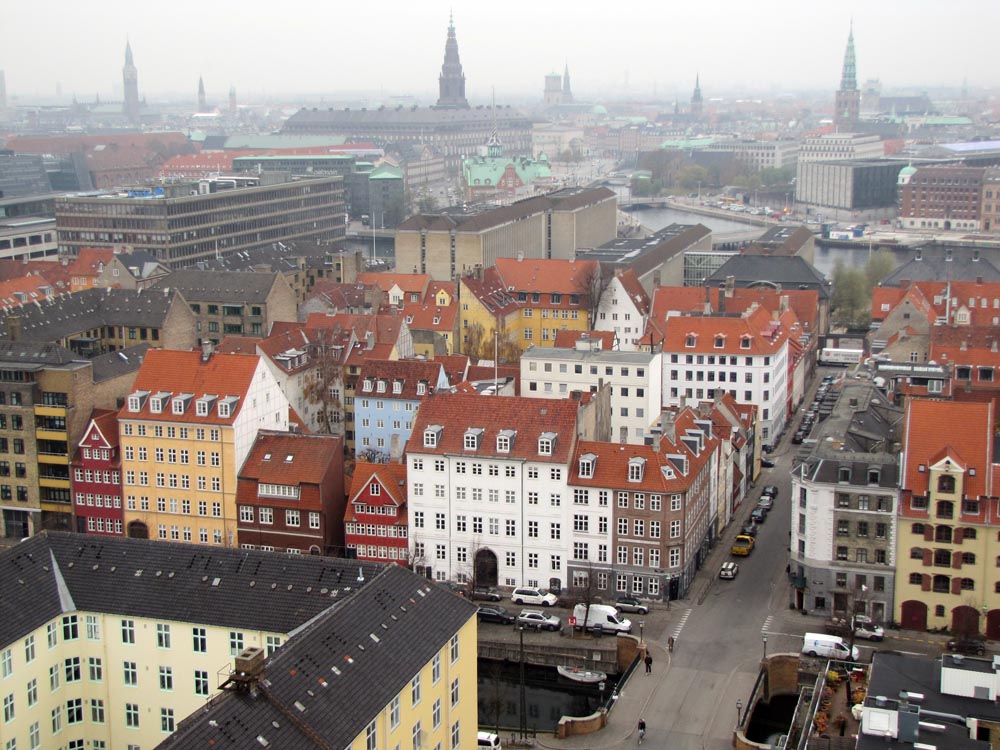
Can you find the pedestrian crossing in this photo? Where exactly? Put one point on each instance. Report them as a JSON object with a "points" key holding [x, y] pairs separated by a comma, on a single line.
{"points": [[680, 623], [766, 627]]}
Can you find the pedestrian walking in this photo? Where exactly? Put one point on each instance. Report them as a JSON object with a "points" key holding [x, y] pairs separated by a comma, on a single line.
{"points": [[649, 663]]}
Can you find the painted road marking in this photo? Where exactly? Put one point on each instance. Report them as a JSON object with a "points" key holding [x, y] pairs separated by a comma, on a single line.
{"points": [[767, 624], [680, 624]]}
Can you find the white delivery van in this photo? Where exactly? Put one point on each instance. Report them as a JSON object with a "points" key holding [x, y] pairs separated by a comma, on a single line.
{"points": [[830, 646], [603, 616], [489, 741]]}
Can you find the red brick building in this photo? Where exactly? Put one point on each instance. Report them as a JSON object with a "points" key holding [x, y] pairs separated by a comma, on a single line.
{"points": [[941, 197], [290, 494], [376, 519], [96, 477]]}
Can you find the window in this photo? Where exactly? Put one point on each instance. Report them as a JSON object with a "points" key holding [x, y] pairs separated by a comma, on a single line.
{"points": [[415, 691], [453, 645], [8, 708], [97, 710], [455, 695], [95, 669], [199, 640], [74, 711], [128, 631], [166, 678], [162, 635], [235, 643], [70, 628], [93, 628], [32, 692], [29, 649], [291, 518], [131, 674], [200, 682], [6, 663], [71, 666], [166, 719]]}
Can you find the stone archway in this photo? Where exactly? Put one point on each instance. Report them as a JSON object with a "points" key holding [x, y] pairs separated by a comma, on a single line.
{"points": [[964, 620], [993, 624], [913, 615], [487, 568], [138, 530]]}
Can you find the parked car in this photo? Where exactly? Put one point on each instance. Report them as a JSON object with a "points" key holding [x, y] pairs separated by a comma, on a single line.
{"points": [[798, 437], [766, 463], [749, 529], [967, 645], [526, 595], [758, 515], [495, 613], [770, 489], [631, 604], [534, 618], [863, 629], [766, 502], [486, 594], [742, 545], [729, 570], [456, 588]]}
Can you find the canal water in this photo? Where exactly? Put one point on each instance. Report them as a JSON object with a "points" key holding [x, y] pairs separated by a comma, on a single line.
{"points": [[548, 696]]}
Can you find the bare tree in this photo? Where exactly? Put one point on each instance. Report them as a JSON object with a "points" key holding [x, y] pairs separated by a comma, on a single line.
{"points": [[327, 382], [583, 590]]}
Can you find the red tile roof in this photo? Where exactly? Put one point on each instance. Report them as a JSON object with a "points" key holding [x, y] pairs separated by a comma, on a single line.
{"points": [[407, 282], [962, 431], [421, 317], [528, 417], [407, 372], [491, 292], [634, 289], [960, 345], [670, 299], [765, 335], [106, 421], [391, 476], [611, 466], [176, 372], [292, 459], [560, 276], [455, 366]]}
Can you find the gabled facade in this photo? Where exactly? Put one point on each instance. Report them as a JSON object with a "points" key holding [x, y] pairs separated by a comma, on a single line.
{"points": [[946, 572], [290, 494], [487, 489], [376, 519], [185, 430], [634, 378], [97, 483], [387, 396], [622, 309]]}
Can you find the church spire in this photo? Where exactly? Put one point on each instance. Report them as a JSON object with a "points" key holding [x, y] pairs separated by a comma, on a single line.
{"points": [[567, 92], [849, 75], [202, 105], [451, 82], [696, 100], [847, 101], [130, 81]]}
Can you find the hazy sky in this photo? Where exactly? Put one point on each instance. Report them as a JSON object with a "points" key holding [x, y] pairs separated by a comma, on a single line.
{"points": [[396, 46]]}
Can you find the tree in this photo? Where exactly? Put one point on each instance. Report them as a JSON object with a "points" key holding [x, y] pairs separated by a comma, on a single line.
{"points": [[481, 344], [326, 383], [770, 176], [583, 590], [693, 177], [879, 265], [851, 300], [427, 204]]}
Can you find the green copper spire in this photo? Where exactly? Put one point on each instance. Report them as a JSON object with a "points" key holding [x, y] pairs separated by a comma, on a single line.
{"points": [[849, 76]]}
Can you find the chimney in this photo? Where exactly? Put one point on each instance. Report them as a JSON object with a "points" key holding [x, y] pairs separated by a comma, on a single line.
{"points": [[14, 327], [667, 424], [520, 256], [979, 281], [723, 293], [783, 304], [206, 350], [730, 286]]}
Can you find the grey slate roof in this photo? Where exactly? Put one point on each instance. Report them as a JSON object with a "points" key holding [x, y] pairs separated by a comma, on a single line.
{"points": [[755, 270], [119, 363], [42, 355], [283, 258], [162, 580], [66, 314], [342, 670], [931, 265], [196, 285]]}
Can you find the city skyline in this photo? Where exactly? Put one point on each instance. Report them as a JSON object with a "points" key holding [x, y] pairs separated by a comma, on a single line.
{"points": [[773, 47]]}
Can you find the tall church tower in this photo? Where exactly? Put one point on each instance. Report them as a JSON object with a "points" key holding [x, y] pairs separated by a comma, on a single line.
{"points": [[451, 83], [202, 105], [130, 78], [567, 93], [697, 105], [232, 100], [847, 103]]}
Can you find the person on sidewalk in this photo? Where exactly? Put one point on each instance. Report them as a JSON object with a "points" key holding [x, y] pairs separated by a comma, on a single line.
{"points": [[649, 662]]}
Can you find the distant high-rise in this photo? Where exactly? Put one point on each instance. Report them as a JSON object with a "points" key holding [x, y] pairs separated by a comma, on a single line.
{"points": [[451, 83], [553, 89], [130, 78], [696, 101], [232, 100], [202, 105], [567, 93], [847, 103]]}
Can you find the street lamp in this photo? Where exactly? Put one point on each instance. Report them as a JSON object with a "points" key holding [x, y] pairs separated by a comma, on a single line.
{"points": [[764, 639], [600, 686], [739, 711], [524, 711], [642, 624]]}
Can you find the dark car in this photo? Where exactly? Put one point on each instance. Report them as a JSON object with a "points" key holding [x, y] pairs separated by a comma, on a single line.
{"points": [[968, 645], [749, 529], [766, 463], [798, 437], [631, 604], [758, 515], [770, 490], [495, 613], [486, 594]]}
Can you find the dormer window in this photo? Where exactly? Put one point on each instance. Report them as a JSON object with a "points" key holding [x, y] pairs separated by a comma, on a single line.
{"points": [[381, 385], [720, 341], [473, 438], [432, 436], [844, 474], [203, 406], [135, 401], [874, 474], [158, 401], [368, 385], [437, 320], [397, 386], [556, 298], [587, 463], [546, 443], [690, 340], [409, 320], [374, 489], [227, 406], [179, 404], [421, 387], [636, 469], [744, 342], [505, 440]]}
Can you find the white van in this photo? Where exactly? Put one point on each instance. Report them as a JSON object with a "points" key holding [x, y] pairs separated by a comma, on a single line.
{"points": [[830, 646], [489, 740], [603, 616]]}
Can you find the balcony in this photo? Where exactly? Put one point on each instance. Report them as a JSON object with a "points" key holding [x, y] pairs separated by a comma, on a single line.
{"points": [[50, 411], [54, 483], [41, 434], [53, 458]]}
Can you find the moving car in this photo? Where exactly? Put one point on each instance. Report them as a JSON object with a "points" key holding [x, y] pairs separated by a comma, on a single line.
{"points": [[495, 613], [527, 595], [729, 570], [758, 515], [742, 545], [486, 594], [534, 618], [967, 645], [830, 646], [631, 604]]}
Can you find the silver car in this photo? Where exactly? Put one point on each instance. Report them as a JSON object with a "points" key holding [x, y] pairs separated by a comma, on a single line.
{"points": [[535, 618]]}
